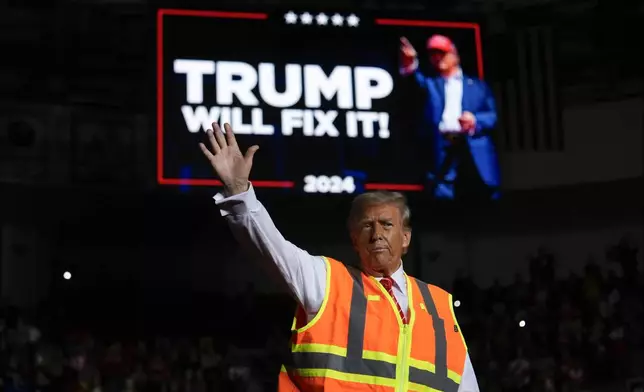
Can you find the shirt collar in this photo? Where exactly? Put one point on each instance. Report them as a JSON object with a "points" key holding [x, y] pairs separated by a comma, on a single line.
{"points": [[457, 76], [398, 277]]}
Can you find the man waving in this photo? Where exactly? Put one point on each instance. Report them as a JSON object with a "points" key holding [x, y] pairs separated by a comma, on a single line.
{"points": [[368, 329]]}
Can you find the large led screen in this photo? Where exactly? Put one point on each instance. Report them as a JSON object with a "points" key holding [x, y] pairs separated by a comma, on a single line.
{"points": [[331, 99]]}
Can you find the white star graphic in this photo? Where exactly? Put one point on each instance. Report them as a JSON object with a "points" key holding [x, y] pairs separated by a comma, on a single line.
{"points": [[337, 20], [306, 18], [353, 20], [322, 19], [290, 17]]}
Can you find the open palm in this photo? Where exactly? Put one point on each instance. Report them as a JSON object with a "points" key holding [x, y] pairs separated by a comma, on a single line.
{"points": [[407, 49], [231, 166]]}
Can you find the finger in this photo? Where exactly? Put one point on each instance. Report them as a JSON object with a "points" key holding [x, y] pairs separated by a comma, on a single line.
{"points": [[230, 135], [219, 136], [250, 153], [206, 151], [404, 41], [213, 142]]}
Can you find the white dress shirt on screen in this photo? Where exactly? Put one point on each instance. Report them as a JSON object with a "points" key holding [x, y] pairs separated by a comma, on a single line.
{"points": [[453, 104], [453, 99]]}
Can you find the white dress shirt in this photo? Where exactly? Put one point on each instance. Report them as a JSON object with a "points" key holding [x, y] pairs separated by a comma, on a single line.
{"points": [[304, 273], [453, 104], [453, 99]]}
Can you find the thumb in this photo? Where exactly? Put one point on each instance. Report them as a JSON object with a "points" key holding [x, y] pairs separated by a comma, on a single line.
{"points": [[248, 157]]}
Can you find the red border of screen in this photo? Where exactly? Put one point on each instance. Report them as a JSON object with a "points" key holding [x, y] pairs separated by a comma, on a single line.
{"points": [[263, 16]]}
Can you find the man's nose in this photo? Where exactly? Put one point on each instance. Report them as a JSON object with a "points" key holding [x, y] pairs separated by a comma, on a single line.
{"points": [[376, 233]]}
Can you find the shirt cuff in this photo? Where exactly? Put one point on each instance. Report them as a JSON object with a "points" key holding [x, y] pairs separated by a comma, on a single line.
{"points": [[410, 69], [239, 204]]}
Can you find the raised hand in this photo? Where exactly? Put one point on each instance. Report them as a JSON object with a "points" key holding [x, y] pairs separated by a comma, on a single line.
{"points": [[407, 52], [230, 165]]}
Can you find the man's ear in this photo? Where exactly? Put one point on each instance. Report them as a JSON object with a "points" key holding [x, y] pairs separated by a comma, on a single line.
{"points": [[406, 238]]}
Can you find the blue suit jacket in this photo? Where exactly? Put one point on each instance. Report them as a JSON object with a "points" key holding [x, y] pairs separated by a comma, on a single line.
{"points": [[477, 99]]}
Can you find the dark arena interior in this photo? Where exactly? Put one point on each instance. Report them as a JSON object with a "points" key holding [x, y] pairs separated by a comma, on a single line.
{"points": [[133, 260]]}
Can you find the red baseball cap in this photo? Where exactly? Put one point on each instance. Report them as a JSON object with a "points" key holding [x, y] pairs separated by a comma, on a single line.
{"points": [[442, 43]]}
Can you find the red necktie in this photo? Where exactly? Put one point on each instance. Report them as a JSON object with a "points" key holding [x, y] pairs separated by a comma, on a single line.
{"points": [[388, 283]]}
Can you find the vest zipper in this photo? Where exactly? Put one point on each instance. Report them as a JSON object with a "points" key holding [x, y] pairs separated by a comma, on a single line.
{"points": [[403, 362]]}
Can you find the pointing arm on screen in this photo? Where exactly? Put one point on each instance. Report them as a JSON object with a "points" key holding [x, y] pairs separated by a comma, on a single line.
{"points": [[409, 63], [251, 225]]}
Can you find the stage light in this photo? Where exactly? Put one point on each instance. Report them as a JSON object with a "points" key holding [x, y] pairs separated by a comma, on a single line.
{"points": [[457, 303], [67, 275], [522, 323]]}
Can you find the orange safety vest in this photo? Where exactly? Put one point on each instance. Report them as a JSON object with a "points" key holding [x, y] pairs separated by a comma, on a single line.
{"points": [[357, 341]]}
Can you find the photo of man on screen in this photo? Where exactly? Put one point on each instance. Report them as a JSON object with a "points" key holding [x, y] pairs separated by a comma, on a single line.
{"points": [[459, 113]]}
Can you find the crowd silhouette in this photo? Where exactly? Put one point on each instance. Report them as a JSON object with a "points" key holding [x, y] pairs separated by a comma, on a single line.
{"points": [[583, 332]]}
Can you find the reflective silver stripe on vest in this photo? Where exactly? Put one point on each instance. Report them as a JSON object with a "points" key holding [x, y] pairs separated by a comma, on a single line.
{"points": [[342, 364], [354, 363], [439, 379], [432, 380]]}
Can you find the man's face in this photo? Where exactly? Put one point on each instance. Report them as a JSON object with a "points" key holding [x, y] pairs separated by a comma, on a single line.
{"points": [[380, 239], [443, 61]]}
